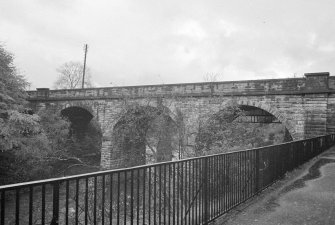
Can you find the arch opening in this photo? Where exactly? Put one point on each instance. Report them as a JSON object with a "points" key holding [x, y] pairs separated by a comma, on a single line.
{"points": [[238, 127], [85, 138], [144, 134], [269, 122]]}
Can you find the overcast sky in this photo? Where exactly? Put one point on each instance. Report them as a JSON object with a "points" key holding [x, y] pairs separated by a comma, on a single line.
{"points": [[173, 41]]}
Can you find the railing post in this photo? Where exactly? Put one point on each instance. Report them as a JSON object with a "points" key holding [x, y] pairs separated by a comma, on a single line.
{"points": [[257, 172], [205, 192], [55, 204]]}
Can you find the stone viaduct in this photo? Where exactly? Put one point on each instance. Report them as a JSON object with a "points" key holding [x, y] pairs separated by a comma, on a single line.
{"points": [[305, 106]]}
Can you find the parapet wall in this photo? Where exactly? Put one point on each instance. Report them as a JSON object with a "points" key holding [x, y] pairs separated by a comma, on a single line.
{"points": [[311, 83]]}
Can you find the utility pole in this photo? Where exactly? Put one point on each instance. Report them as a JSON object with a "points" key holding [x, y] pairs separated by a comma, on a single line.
{"points": [[84, 69]]}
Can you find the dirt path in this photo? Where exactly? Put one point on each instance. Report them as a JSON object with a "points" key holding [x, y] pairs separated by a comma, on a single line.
{"points": [[306, 196]]}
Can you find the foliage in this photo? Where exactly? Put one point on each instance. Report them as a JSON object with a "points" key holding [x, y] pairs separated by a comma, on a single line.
{"points": [[12, 85], [30, 144], [70, 76]]}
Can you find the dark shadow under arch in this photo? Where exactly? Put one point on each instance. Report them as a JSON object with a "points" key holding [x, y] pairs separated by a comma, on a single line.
{"points": [[85, 137]]}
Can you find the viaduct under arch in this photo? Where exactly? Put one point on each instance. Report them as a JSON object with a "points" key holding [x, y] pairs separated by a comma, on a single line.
{"points": [[305, 106]]}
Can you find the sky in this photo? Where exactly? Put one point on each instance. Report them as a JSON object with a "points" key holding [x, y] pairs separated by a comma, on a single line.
{"points": [[172, 41]]}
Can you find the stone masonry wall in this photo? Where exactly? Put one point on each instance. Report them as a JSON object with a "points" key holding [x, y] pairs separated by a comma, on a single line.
{"points": [[306, 106]]}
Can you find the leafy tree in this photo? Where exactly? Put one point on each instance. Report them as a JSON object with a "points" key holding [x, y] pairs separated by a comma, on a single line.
{"points": [[70, 76], [32, 146], [22, 140]]}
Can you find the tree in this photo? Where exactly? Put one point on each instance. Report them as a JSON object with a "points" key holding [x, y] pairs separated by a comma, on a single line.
{"points": [[70, 76], [21, 135], [211, 77]]}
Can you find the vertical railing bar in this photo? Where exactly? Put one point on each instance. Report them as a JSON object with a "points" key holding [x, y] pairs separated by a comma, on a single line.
{"points": [[244, 158], [178, 191], [223, 183], [160, 195], [230, 196], [95, 201], [236, 179], [66, 202], [217, 197], [17, 205], [217, 185], [257, 172], [169, 184], [199, 187], [118, 197], [131, 197], [31, 205], [174, 194], [103, 200], [155, 192], [125, 198], [203, 184], [138, 197], [211, 188], [43, 205], [250, 173], [55, 204], [86, 200], [185, 193], [239, 177], [2, 219], [77, 201], [191, 189], [199, 190], [149, 196], [144, 181], [182, 194], [193, 192], [111, 199], [227, 182], [164, 202]]}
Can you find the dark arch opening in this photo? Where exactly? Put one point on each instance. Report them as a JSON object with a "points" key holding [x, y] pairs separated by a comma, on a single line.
{"points": [[85, 138], [79, 118], [144, 134], [278, 133]]}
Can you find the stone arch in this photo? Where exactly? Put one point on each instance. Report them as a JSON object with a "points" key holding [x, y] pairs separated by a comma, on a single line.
{"points": [[85, 137], [128, 151], [274, 111]]}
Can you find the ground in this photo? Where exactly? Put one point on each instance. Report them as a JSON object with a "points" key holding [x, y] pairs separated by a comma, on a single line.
{"points": [[305, 196]]}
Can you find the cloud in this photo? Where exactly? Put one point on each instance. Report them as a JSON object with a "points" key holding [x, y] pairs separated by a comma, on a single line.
{"points": [[148, 42]]}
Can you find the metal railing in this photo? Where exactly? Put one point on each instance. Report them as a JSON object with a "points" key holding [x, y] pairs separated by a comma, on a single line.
{"points": [[190, 191]]}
